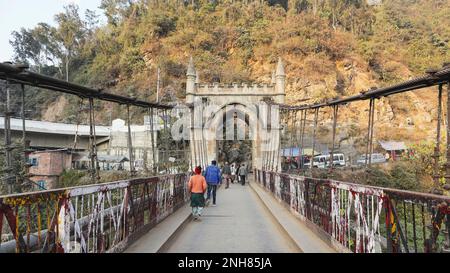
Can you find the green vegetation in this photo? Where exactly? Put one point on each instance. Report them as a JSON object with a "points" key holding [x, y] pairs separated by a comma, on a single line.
{"points": [[331, 48], [17, 159], [71, 178], [235, 41], [412, 173]]}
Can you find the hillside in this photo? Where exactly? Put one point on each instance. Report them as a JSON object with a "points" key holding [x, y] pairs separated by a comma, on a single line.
{"points": [[330, 48]]}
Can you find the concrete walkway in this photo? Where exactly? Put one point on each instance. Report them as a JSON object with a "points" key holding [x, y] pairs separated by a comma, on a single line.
{"points": [[299, 231], [246, 220], [240, 223]]}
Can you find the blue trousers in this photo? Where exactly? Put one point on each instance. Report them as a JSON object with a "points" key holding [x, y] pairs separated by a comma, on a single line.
{"points": [[212, 188]]}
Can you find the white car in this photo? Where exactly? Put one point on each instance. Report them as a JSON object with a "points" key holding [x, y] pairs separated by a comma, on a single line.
{"points": [[323, 161], [375, 158]]}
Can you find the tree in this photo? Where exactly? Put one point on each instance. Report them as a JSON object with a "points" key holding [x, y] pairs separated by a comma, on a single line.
{"points": [[36, 46], [70, 33], [26, 47], [115, 10], [45, 35], [91, 21]]}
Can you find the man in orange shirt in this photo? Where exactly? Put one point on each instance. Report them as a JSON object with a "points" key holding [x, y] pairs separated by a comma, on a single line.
{"points": [[197, 187]]}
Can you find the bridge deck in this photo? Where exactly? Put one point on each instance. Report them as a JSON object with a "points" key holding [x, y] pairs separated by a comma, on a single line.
{"points": [[240, 223]]}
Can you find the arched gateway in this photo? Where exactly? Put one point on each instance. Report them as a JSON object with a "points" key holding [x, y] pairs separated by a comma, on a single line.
{"points": [[217, 109]]}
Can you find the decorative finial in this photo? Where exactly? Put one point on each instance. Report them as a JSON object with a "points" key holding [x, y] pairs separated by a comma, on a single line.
{"points": [[280, 68], [273, 77], [191, 68], [197, 77]]}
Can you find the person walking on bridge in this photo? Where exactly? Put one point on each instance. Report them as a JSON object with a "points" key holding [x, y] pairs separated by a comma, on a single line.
{"points": [[243, 174], [212, 176], [226, 170], [197, 187], [238, 177], [233, 173]]}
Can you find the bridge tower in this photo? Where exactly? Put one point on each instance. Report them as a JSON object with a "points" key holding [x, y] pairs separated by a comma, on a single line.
{"points": [[216, 108]]}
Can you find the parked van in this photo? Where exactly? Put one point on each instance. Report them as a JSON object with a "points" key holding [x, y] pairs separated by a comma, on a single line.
{"points": [[375, 158], [323, 161]]}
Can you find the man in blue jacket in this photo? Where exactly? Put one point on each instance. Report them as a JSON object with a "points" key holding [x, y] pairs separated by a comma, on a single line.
{"points": [[212, 176]]}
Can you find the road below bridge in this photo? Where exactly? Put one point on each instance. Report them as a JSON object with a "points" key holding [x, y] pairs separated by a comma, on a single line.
{"points": [[240, 223]]}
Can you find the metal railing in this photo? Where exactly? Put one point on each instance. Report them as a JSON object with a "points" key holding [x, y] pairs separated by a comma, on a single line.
{"points": [[365, 219], [96, 218]]}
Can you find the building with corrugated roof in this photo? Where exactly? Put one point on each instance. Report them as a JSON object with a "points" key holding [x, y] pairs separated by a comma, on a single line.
{"points": [[395, 149]]}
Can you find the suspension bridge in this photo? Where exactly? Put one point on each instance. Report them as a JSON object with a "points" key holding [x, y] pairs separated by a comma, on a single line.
{"points": [[279, 211]]}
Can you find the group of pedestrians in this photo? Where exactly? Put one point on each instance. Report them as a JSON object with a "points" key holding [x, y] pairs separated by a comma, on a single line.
{"points": [[234, 174], [209, 181]]}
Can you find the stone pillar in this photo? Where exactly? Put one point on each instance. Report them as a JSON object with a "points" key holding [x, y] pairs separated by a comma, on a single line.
{"points": [[211, 150], [256, 145], [280, 85], [280, 82], [276, 128], [192, 146], [191, 79], [194, 141]]}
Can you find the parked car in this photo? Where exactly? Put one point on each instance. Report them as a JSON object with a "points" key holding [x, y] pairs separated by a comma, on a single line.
{"points": [[323, 161], [295, 162], [375, 158]]}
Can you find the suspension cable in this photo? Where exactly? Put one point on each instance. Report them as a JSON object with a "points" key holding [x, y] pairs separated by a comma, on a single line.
{"points": [[291, 138], [297, 138], [371, 132], [152, 130], [24, 141], [302, 139], [95, 167], [316, 117], [335, 117], [436, 175], [130, 143], [369, 129], [193, 139], [77, 118]]}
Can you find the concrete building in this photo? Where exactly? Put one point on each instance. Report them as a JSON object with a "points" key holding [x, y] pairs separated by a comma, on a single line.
{"points": [[141, 140], [55, 150], [394, 149], [43, 135]]}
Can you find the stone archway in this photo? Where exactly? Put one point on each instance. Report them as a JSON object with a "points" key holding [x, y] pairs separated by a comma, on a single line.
{"points": [[210, 102], [233, 122]]}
